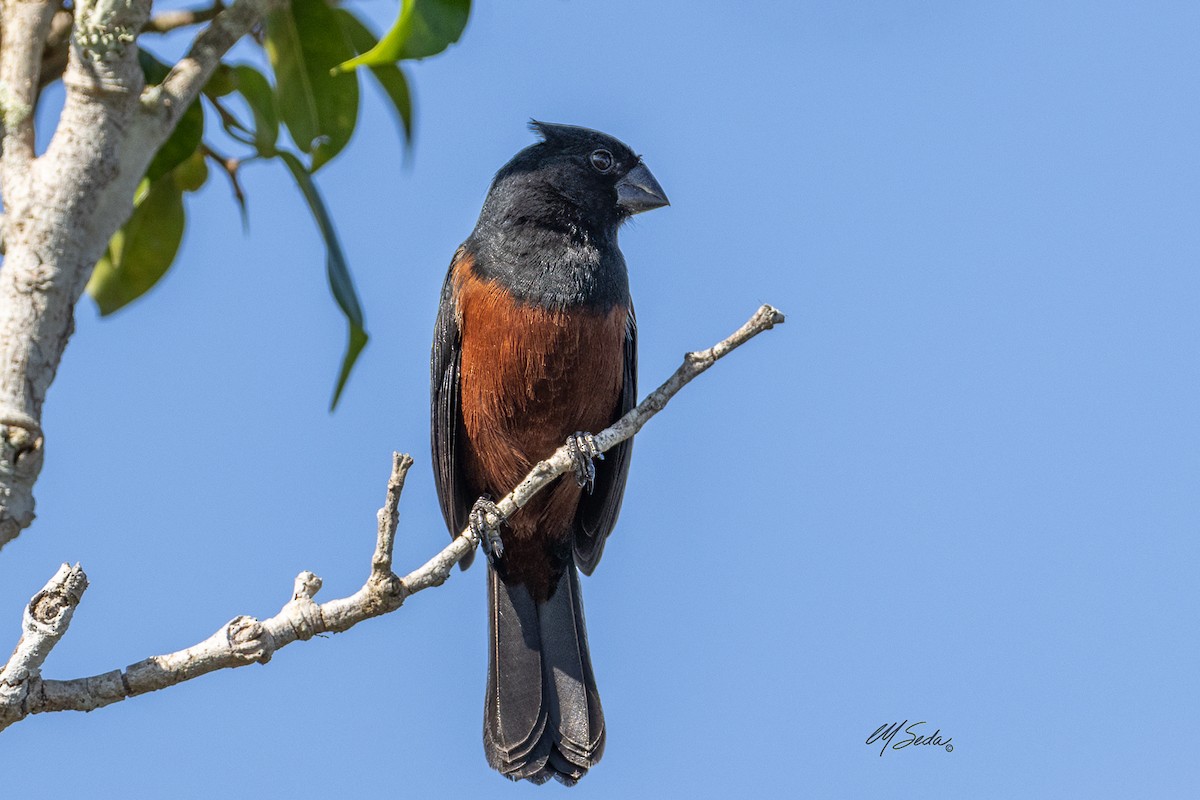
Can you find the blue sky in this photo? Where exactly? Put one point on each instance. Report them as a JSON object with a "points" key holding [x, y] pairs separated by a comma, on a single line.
{"points": [[958, 486]]}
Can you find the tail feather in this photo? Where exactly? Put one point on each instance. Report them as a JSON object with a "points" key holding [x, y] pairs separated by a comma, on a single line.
{"points": [[568, 669], [515, 718], [542, 717]]}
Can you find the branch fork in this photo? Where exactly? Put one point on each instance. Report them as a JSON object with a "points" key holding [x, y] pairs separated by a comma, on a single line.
{"points": [[61, 208]]}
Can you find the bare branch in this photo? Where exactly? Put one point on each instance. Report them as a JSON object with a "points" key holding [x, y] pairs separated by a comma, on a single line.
{"points": [[171, 20], [437, 569], [230, 167], [46, 619], [693, 364], [26, 24], [241, 641], [245, 640]]}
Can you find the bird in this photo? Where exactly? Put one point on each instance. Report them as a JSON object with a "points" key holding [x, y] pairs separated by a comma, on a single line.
{"points": [[535, 345]]}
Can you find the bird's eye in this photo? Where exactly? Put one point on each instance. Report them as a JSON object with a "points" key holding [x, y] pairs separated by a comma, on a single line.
{"points": [[602, 160]]}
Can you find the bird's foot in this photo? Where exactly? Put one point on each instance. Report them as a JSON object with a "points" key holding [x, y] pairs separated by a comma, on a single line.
{"points": [[485, 521], [584, 451]]}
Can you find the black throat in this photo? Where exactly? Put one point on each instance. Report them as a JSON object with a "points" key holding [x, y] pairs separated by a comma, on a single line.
{"points": [[548, 253]]}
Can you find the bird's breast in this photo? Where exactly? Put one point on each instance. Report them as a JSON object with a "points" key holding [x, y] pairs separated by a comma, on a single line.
{"points": [[530, 376]]}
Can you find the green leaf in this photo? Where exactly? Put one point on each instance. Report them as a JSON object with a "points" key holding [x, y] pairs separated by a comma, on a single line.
{"points": [[141, 252], [259, 95], [192, 173], [358, 340], [340, 281], [222, 81], [395, 84], [389, 76], [424, 28], [180, 145], [304, 43], [186, 137]]}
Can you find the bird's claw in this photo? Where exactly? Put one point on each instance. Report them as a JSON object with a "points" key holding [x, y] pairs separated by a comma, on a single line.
{"points": [[485, 521], [584, 451]]}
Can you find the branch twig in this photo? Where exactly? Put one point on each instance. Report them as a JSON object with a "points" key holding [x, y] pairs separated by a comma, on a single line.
{"points": [[185, 80], [241, 641], [437, 569], [181, 18], [229, 166], [46, 619], [245, 640]]}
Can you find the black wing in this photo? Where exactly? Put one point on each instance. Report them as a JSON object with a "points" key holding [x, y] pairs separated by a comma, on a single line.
{"points": [[598, 511], [446, 413]]}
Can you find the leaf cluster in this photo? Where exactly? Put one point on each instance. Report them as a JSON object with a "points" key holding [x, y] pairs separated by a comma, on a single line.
{"points": [[312, 93]]}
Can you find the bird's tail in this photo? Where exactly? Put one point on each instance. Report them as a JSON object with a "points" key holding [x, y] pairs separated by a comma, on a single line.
{"points": [[542, 716]]}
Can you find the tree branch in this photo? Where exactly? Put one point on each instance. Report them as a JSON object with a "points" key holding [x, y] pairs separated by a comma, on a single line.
{"points": [[245, 640], [166, 103], [241, 641], [46, 619], [63, 208], [171, 20], [437, 569], [26, 24]]}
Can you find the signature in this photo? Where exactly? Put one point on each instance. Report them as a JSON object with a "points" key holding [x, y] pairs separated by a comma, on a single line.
{"points": [[887, 731]]}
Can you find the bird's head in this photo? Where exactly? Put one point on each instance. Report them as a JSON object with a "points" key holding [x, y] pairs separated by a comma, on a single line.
{"points": [[580, 172]]}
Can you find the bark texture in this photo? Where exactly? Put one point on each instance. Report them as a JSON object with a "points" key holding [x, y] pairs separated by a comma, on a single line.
{"points": [[62, 207]]}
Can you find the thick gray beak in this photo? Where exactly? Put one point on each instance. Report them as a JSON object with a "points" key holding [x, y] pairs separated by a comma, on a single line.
{"points": [[638, 191]]}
